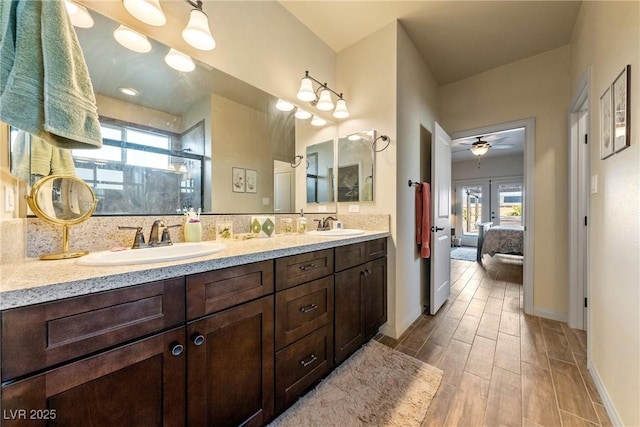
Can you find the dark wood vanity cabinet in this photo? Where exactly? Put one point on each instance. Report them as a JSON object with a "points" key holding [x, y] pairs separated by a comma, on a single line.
{"points": [[114, 358], [304, 323], [360, 295]]}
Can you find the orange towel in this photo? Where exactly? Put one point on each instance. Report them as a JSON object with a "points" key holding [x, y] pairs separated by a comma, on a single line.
{"points": [[423, 219]]}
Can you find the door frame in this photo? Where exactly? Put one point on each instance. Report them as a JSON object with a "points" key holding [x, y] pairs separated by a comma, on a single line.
{"points": [[579, 169], [529, 125]]}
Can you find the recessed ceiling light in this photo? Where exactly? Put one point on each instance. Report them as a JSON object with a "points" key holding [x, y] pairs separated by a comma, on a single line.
{"points": [[128, 91]]}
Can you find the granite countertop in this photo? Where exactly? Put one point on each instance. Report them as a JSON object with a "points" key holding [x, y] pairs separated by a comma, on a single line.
{"points": [[36, 281]]}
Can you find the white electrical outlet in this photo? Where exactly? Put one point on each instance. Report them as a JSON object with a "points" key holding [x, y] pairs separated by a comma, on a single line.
{"points": [[354, 208], [9, 199], [266, 201], [322, 208]]}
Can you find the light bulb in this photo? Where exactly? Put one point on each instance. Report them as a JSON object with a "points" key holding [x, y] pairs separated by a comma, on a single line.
{"points": [[306, 93], [147, 11], [324, 102], [79, 15], [197, 32], [341, 111], [479, 150], [283, 105], [179, 61], [131, 39], [318, 121], [302, 114], [128, 91]]}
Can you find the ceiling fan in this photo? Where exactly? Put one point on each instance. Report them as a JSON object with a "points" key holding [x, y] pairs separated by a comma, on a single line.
{"points": [[481, 146]]}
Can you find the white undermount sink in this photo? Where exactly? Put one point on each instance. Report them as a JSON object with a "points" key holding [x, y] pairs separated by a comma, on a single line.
{"points": [[177, 251], [336, 232]]}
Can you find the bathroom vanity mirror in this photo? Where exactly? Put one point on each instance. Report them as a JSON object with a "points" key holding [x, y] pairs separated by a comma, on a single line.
{"points": [[174, 140], [62, 200], [320, 166], [356, 167]]}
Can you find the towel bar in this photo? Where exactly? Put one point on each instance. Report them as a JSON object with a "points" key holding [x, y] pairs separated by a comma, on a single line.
{"points": [[412, 183]]}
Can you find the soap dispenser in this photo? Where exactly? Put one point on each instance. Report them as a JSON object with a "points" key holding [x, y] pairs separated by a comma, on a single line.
{"points": [[301, 223], [192, 227]]}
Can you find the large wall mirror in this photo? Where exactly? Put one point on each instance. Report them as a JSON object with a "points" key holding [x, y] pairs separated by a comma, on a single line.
{"points": [[356, 167], [173, 140]]}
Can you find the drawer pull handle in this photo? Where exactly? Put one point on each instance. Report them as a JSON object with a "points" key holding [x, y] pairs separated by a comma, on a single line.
{"points": [[309, 360], [308, 267], [308, 308], [198, 339], [177, 349]]}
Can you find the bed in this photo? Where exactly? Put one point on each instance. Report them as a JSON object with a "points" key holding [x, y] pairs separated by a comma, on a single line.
{"points": [[500, 240]]}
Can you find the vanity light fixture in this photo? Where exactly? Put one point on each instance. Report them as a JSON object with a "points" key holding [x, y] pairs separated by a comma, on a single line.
{"points": [[318, 121], [321, 96], [283, 105], [147, 11], [302, 114], [197, 32], [131, 39], [79, 15], [179, 61]]}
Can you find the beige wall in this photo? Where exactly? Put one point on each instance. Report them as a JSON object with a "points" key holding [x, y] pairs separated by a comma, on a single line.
{"points": [[607, 38], [533, 87], [492, 167]]}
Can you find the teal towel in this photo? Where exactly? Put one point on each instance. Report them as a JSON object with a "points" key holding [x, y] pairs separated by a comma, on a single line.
{"points": [[33, 156], [45, 87]]}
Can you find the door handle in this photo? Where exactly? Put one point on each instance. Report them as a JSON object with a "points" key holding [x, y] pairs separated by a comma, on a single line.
{"points": [[436, 228]]}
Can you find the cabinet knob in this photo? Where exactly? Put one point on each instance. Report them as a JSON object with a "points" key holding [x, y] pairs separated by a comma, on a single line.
{"points": [[366, 272], [177, 349], [198, 339]]}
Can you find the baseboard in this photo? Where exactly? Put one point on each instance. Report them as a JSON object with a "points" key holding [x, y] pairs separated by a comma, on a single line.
{"points": [[395, 333], [551, 314], [604, 396]]}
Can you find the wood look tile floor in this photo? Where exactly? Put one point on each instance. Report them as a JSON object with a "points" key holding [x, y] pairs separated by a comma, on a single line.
{"points": [[501, 367]]}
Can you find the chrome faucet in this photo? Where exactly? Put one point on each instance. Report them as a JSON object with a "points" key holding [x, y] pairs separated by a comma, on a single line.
{"points": [[159, 235], [155, 237]]}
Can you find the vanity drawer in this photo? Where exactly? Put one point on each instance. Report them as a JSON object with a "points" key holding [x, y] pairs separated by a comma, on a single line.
{"points": [[297, 269], [303, 309], [48, 334], [301, 364], [220, 289], [376, 249], [350, 255]]}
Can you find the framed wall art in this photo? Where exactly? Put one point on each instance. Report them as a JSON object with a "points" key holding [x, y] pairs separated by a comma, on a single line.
{"points": [[606, 123], [621, 110], [251, 181], [238, 180]]}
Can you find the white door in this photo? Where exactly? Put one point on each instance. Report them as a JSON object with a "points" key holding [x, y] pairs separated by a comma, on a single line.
{"points": [[440, 288], [507, 196], [283, 184]]}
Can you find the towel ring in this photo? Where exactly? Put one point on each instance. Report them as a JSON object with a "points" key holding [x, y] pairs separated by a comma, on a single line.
{"points": [[295, 162], [384, 138]]}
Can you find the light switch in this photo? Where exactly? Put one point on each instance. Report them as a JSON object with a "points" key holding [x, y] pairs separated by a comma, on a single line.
{"points": [[322, 208], [594, 184], [354, 208], [265, 201], [9, 199]]}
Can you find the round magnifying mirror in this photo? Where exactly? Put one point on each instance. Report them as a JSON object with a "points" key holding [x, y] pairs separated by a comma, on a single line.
{"points": [[62, 200]]}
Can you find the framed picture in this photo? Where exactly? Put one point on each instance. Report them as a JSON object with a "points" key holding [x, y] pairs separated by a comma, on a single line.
{"points": [[621, 110], [238, 180], [252, 181], [606, 123]]}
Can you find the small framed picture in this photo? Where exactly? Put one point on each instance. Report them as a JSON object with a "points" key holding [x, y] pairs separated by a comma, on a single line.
{"points": [[606, 123], [238, 180], [252, 181], [621, 110]]}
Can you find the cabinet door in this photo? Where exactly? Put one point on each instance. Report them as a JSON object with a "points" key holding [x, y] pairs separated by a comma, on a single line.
{"points": [[139, 384], [349, 312], [230, 376], [375, 296]]}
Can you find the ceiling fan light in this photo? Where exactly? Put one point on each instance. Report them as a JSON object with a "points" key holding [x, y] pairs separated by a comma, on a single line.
{"points": [[324, 102], [302, 114], [341, 111], [79, 15], [197, 32], [479, 150], [306, 93], [147, 11], [179, 61], [131, 39]]}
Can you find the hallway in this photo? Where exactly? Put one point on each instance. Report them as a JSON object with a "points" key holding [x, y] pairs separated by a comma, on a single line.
{"points": [[501, 367]]}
